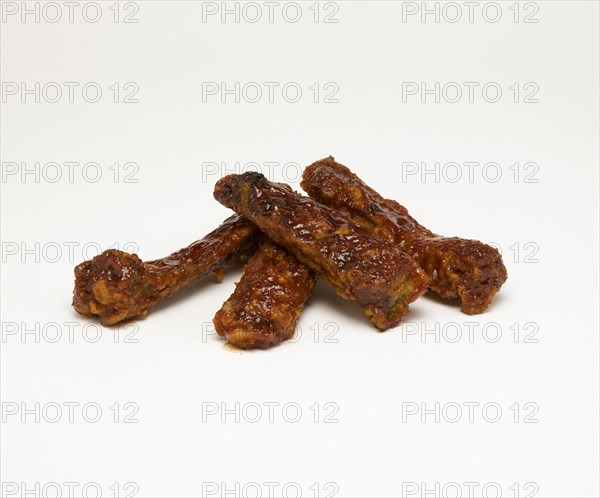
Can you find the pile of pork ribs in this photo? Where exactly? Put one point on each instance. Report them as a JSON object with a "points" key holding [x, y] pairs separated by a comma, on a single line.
{"points": [[368, 248]]}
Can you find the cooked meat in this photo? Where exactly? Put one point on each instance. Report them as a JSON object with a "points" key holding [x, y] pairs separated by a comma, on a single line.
{"points": [[360, 265], [266, 304], [459, 268], [116, 285]]}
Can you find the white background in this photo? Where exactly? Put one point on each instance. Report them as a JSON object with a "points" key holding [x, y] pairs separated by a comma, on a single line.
{"points": [[177, 369]]}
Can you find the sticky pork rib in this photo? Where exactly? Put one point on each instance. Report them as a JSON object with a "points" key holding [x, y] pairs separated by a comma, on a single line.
{"points": [[361, 266], [268, 300], [117, 286], [459, 268]]}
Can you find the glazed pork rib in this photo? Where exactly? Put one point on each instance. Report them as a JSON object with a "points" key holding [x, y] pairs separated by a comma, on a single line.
{"points": [[462, 268], [266, 304], [117, 286], [360, 266]]}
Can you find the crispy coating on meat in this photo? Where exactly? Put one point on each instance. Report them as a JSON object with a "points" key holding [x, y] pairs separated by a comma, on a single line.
{"points": [[117, 286], [468, 269], [266, 304], [360, 266]]}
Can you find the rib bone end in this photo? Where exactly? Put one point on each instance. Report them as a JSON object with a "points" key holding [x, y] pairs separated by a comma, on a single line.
{"points": [[114, 286]]}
